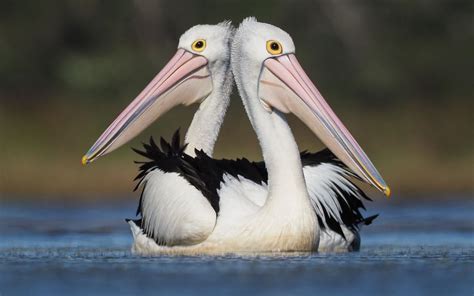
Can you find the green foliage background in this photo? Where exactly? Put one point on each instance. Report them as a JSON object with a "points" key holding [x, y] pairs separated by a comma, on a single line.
{"points": [[399, 74]]}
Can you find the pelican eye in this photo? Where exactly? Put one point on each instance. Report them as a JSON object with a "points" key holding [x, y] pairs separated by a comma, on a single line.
{"points": [[199, 45], [274, 47]]}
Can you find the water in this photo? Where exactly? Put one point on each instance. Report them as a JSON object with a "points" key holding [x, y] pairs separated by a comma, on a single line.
{"points": [[423, 248]]}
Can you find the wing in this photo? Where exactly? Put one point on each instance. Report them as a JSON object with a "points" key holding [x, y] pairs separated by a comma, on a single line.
{"points": [[175, 185], [335, 198], [172, 211]]}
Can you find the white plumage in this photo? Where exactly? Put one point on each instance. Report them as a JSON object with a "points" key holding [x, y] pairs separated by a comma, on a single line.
{"points": [[259, 217], [177, 213], [193, 204], [241, 197]]}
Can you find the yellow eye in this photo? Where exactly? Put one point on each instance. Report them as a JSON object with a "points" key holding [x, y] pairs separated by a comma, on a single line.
{"points": [[274, 47], [199, 45]]}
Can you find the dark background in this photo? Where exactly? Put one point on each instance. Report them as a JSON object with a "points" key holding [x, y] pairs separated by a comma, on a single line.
{"points": [[398, 73]]}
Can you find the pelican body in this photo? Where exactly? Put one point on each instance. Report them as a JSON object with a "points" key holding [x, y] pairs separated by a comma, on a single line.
{"points": [[192, 203]]}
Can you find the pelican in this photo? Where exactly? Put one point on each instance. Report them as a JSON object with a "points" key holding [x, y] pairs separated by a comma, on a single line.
{"points": [[280, 218], [173, 211], [237, 190]]}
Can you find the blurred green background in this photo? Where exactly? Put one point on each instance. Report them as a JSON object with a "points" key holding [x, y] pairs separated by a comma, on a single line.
{"points": [[398, 73]]}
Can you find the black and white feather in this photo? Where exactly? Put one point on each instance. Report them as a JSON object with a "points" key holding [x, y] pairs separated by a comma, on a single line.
{"points": [[336, 200]]}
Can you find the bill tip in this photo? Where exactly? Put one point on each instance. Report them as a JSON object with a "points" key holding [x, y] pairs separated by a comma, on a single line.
{"points": [[84, 160], [387, 191]]}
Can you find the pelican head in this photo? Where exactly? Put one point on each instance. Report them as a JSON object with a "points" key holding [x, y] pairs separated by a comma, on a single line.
{"points": [[266, 55], [192, 74]]}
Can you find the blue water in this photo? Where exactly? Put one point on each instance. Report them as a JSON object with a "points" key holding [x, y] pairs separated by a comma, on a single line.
{"points": [[419, 248]]}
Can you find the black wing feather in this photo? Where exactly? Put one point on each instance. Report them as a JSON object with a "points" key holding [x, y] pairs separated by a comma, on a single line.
{"points": [[206, 174]]}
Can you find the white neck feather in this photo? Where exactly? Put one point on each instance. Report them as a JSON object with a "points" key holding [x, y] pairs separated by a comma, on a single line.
{"points": [[287, 220], [286, 184], [207, 121]]}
